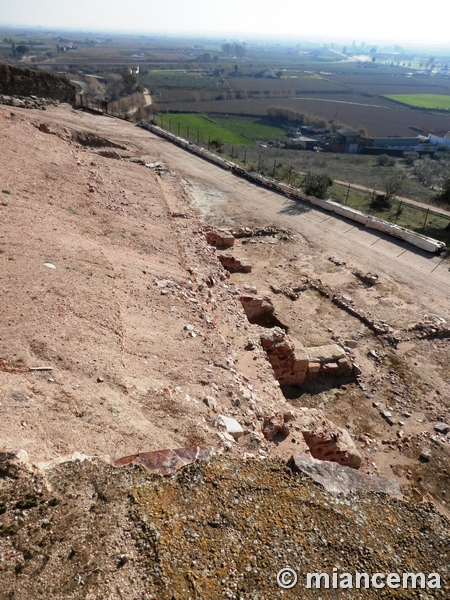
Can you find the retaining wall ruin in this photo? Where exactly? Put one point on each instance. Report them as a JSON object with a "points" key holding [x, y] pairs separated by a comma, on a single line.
{"points": [[292, 363]]}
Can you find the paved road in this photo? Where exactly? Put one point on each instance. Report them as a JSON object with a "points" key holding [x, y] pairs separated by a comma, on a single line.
{"points": [[81, 85], [238, 199]]}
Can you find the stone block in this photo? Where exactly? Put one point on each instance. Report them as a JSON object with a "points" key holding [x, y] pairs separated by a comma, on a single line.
{"points": [[329, 442], [330, 367], [227, 240], [325, 354], [231, 426], [343, 480]]}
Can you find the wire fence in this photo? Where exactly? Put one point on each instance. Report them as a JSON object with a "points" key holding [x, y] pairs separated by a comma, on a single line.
{"points": [[428, 221], [130, 108]]}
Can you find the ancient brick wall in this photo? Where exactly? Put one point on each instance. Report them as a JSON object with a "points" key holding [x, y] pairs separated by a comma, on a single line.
{"points": [[292, 363]]}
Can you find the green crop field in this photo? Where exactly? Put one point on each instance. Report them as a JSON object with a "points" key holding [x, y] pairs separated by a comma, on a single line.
{"points": [[438, 101], [180, 80], [201, 128], [251, 128]]}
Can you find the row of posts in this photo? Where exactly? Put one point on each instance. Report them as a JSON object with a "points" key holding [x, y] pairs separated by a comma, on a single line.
{"points": [[102, 106]]}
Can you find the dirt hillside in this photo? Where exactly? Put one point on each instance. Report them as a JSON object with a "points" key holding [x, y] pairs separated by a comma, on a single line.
{"points": [[148, 300]]}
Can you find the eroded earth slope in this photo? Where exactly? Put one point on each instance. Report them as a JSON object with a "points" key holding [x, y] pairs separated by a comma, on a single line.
{"points": [[124, 330]]}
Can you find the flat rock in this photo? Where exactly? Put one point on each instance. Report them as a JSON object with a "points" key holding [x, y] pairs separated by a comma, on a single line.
{"points": [[442, 428], [343, 480], [231, 425], [19, 455], [166, 462], [324, 354]]}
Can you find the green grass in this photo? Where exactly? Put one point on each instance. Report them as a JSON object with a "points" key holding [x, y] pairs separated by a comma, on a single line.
{"points": [[201, 127], [251, 128], [437, 101], [180, 81]]}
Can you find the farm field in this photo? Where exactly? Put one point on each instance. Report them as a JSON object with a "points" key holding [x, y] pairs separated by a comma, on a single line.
{"points": [[364, 100], [399, 83], [200, 128], [430, 101], [378, 121], [234, 131], [180, 80], [251, 128], [312, 84]]}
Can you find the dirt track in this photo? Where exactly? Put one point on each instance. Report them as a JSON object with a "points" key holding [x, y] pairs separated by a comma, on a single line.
{"points": [[239, 200]]}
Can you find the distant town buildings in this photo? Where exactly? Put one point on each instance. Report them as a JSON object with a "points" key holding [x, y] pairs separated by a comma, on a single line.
{"points": [[353, 142]]}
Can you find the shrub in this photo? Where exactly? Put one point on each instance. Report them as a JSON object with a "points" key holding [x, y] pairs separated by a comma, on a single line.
{"points": [[393, 184], [317, 185], [444, 197], [410, 156], [385, 161], [381, 202]]}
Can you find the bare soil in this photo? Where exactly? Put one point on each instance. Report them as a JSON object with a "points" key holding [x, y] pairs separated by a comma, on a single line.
{"points": [[110, 318]]}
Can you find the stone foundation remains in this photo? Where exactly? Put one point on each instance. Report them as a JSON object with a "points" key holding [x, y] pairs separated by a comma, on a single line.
{"points": [[234, 264], [292, 363], [220, 237], [260, 311]]}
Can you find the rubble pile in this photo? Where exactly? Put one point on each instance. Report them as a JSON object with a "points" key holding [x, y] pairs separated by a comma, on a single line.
{"points": [[27, 101], [217, 529], [367, 278], [270, 230], [431, 327]]}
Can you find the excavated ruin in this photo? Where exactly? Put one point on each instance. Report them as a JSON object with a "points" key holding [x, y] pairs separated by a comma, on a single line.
{"points": [[260, 311]]}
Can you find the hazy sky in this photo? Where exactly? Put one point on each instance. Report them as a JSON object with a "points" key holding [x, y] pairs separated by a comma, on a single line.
{"points": [[347, 20]]}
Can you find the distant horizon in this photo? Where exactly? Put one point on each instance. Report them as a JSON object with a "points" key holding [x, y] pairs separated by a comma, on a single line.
{"points": [[386, 23], [229, 36]]}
